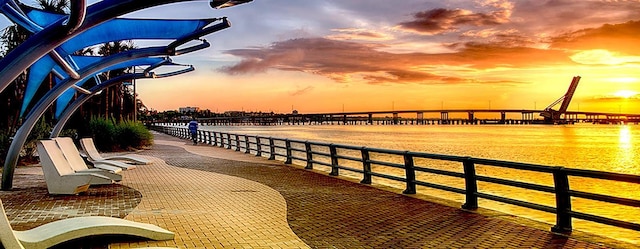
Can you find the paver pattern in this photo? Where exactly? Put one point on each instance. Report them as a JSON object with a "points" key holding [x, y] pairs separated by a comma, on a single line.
{"points": [[218, 198], [328, 212]]}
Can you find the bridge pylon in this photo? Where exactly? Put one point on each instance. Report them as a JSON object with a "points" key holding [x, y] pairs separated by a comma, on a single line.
{"points": [[552, 116]]}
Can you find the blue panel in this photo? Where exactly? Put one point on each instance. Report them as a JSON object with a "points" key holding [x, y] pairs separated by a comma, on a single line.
{"points": [[121, 29], [37, 73], [42, 18]]}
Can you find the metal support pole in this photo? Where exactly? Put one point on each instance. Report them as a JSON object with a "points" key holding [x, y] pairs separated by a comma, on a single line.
{"points": [[334, 160], [288, 148], [563, 201], [366, 166], [258, 146], [272, 149], [471, 185], [237, 142], [215, 139], [247, 146], [410, 174], [307, 147]]}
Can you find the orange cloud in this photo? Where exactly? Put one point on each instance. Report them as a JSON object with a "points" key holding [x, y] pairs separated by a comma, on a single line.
{"points": [[344, 61], [621, 38], [438, 21]]}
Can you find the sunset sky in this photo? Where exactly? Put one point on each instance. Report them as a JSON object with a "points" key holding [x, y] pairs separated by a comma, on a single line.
{"points": [[365, 55]]}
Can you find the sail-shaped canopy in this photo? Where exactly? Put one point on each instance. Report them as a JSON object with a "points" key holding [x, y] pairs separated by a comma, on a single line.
{"points": [[114, 30]]}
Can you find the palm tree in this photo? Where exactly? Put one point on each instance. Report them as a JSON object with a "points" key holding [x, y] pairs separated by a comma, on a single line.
{"points": [[116, 101], [56, 6]]}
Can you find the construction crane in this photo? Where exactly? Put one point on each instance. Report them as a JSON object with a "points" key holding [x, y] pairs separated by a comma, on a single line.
{"points": [[552, 116]]}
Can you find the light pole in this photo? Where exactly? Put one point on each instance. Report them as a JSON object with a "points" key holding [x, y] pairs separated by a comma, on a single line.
{"points": [[135, 101]]}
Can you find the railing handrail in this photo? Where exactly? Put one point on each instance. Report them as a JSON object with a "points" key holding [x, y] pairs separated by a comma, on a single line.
{"points": [[561, 189]]}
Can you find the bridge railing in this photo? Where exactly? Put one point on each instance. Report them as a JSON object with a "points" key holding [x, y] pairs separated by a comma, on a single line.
{"points": [[358, 160]]}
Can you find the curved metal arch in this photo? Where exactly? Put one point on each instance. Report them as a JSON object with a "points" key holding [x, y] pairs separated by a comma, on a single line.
{"points": [[43, 104], [63, 99], [73, 107], [54, 35]]}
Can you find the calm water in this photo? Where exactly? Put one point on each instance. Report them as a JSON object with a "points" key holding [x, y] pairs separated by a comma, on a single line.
{"points": [[612, 148]]}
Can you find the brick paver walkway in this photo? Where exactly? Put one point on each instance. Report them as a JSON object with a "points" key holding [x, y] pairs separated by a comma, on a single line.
{"points": [[217, 198], [328, 212]]}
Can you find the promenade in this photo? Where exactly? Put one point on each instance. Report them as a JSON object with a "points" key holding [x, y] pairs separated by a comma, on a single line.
{"points": [[217, 198]]}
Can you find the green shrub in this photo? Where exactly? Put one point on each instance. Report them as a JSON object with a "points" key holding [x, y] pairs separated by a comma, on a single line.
{"points": [[109, 136], [72, 133], [103, 131], [131, 134]]}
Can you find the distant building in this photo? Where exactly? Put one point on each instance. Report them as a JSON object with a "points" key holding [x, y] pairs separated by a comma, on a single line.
{"points": [[188, 109]]}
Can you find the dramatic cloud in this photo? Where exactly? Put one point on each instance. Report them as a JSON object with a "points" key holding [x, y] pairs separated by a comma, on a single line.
{"points": [[346, 61], [621, 38], [439, 21]]}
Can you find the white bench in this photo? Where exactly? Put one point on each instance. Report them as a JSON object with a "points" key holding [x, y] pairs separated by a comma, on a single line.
{"points": [[78, 164], [60, 231], [89, 147], [58, 174]]}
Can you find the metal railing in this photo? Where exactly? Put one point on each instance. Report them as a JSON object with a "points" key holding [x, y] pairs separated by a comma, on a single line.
{"points": [[308, 151]]}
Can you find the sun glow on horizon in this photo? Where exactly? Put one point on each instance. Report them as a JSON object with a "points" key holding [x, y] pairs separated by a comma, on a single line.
{"points": [[625, 94]]}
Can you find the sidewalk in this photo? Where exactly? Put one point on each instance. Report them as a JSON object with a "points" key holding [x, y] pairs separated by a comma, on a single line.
{"points": [[217, 198]]}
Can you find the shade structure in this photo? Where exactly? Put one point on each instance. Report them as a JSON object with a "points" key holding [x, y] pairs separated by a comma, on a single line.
{"points": [[50, 38], [114, 30]]}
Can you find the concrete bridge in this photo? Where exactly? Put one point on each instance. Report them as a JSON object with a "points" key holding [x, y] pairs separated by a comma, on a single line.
{"points": [[424, 117]]}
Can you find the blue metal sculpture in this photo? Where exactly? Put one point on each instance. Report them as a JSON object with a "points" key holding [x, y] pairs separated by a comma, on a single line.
{"points": [[59, 32], [113, 30], [64, 29]]}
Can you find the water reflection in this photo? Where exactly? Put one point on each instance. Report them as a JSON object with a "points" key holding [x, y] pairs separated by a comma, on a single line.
{"points": [[625, 137], [625, 156]]}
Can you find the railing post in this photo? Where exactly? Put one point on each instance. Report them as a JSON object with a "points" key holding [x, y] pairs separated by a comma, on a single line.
{"points": [[237, 142], [410, 172], [207, 137], [288, 146], [471, 185], [214, 139], [222, 137], [258, 147], [228, 141], [307, 147], [366, 166], [272, 149], [247, 147], [563, 201], [334, 160]]}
